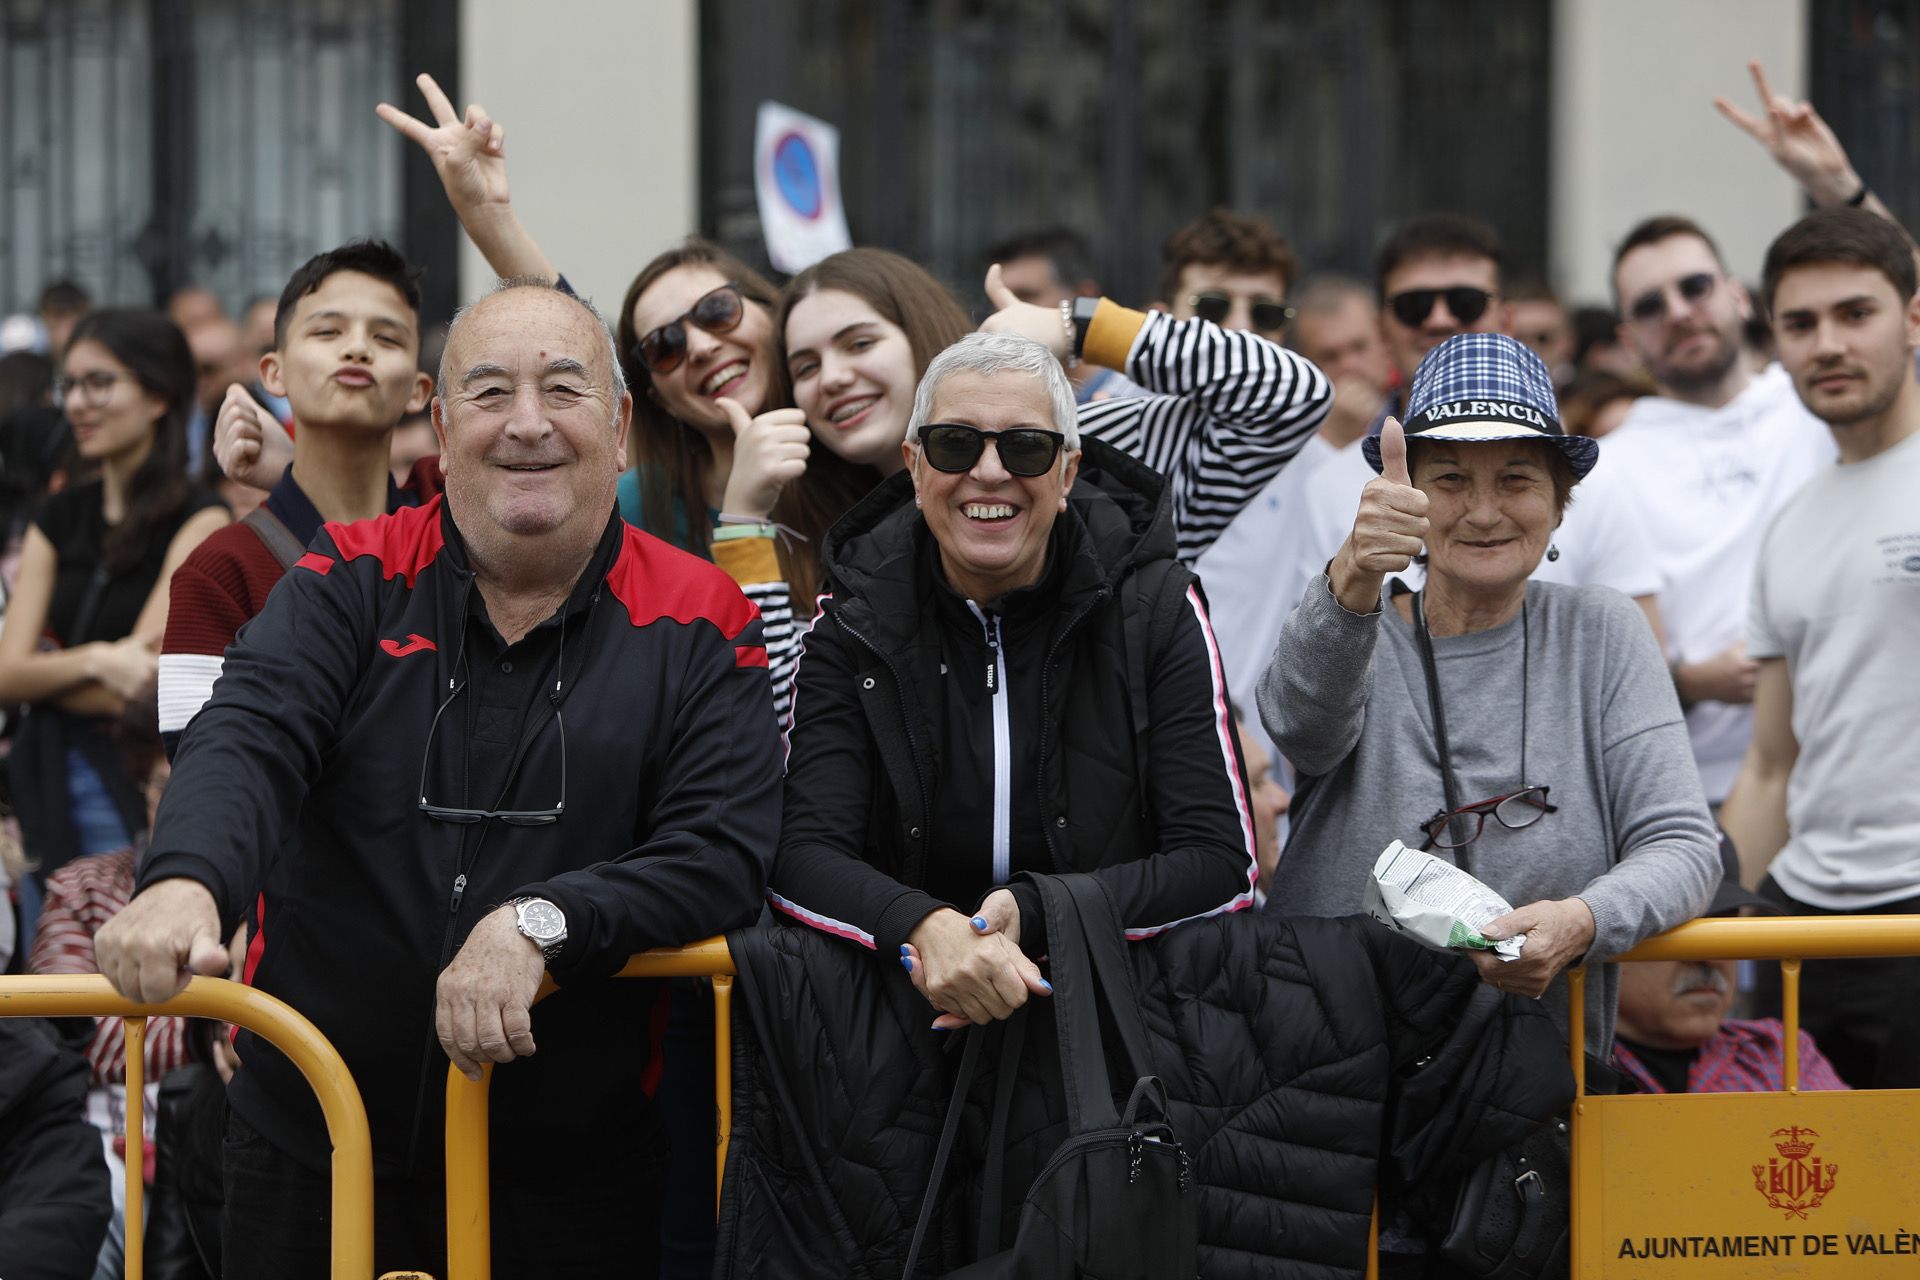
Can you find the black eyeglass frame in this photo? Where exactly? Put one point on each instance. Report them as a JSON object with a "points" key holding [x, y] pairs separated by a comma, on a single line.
{"points": [[1262, 312], [1438, 828], [1651, 307], [1056, 441], [678, 326], [1466, 302], [512, 817]]}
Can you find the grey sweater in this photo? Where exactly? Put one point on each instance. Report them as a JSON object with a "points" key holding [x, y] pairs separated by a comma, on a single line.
{"points": [[1345, 698]]}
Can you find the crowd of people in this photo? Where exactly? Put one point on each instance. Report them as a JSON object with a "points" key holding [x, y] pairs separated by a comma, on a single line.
{"points": [[328, 633]]}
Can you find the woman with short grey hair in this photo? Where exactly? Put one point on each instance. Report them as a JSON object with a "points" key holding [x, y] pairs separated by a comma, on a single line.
{"points": [[1011, 672]]}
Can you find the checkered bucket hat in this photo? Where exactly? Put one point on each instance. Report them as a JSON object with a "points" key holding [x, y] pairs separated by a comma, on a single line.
{"points": [[1487, 386]]}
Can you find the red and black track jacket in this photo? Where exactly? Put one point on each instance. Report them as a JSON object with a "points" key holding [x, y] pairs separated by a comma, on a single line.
{"points": [[299, 783]]}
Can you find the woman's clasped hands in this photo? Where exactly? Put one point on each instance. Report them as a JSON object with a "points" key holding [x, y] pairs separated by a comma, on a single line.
{"points": [[972, 971]]}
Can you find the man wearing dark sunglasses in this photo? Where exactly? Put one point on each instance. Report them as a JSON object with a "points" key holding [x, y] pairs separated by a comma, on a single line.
{"points": [[1438, 275], [1709, 461], [1230, 268], [499, 735]]}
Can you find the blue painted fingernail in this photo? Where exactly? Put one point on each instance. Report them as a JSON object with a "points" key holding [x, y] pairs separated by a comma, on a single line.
{"points": [[1046, 984], [906, 962], [903, 948], [980, 923], [938, 1027]]}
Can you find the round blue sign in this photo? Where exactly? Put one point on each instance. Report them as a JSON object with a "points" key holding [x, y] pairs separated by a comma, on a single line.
{"points": [[797, 175]]}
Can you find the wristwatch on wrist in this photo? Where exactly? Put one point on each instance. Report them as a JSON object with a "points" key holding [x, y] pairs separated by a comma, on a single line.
{"points": [[543, 922], [1083, 309]]}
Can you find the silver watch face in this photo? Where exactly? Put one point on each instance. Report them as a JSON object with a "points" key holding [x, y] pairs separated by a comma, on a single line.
{"points": [[541, 920]]}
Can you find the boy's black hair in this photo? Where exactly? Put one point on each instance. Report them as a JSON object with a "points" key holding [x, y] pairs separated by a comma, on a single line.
{"points": [[374, 258], [1066, 249]]}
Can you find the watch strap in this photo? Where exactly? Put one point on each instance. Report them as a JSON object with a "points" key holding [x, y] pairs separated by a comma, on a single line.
{"points": [[1082, 315]]}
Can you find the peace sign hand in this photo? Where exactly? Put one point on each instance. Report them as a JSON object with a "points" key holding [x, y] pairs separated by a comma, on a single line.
{"points": [[469, 154], [1798, 140]]}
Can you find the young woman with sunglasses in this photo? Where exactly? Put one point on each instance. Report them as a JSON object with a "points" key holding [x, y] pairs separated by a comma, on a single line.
{"points": [[82, 633]]}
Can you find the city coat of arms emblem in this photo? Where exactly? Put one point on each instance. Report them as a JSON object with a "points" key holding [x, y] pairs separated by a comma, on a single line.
{"points": [[1796, 1180]]}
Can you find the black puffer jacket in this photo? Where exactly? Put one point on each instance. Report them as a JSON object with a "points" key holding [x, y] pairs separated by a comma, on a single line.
{"points": [[1101, 733], [1308, 1061], [55, 1199]]}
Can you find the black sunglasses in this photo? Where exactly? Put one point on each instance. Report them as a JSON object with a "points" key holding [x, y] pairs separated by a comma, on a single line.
{"points": [[1652, 305], [1268, 316], [1515, 812], [1024, 451], [718, 311], [1465, 302], [512, 817]]}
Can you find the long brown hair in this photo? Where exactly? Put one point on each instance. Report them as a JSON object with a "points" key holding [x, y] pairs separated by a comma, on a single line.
{"points": [[155, 352], [678, 457], [904, 293]]}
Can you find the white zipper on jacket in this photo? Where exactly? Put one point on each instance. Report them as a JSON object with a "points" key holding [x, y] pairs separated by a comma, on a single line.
{"points": [[1002, 749]]}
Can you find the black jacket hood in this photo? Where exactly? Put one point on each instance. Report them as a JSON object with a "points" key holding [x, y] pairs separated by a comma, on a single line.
{"points": [[1119, 516]]}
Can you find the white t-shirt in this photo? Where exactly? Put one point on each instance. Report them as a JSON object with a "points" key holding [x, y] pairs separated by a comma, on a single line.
{"points": [[1256, 570], [1837, 595], [1706, 483]]}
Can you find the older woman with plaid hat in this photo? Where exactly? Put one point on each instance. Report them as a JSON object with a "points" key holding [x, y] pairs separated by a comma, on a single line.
{"points": [[1528, 731]]}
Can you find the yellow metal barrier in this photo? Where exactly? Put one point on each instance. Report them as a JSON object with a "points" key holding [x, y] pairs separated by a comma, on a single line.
{"points": [[90, 995], [469, 1207], [1749, 1184]]}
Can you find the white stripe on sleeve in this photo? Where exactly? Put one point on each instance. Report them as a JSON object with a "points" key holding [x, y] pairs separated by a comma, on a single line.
{"points": [[186, 683], [1223, 724]]}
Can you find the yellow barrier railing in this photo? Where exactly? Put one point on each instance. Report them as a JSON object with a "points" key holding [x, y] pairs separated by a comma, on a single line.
{"points": [[90, 995], [469, 1198], [1789, 940]]}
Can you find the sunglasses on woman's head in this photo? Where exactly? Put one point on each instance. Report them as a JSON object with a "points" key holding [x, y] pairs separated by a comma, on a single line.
{"points": [[718, 311], [1024, 451], [1652, 305], [1268, 316], [1466, 303]]}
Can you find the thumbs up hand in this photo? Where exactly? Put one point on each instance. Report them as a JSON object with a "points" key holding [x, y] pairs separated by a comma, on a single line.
{"points": [[1011, 315], [1388, 531], [768, 451]]}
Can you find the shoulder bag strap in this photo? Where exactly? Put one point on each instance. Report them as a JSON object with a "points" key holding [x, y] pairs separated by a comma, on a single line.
{"points": [[1076, 1012], [1107, 950], [962, 1082], [279, 539], [89, 606], [994, 1174]]}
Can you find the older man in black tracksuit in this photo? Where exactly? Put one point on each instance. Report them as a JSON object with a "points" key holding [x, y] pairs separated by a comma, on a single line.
{"points": [[494, 735]]}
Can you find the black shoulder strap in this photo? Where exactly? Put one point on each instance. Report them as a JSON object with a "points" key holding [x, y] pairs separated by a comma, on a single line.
{"points": [[89, 605], [962, 1082], [279, 539]]}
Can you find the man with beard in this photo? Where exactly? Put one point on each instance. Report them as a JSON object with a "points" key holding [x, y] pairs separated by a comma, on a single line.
{"points": [[1825, 801], [1709, 460]]}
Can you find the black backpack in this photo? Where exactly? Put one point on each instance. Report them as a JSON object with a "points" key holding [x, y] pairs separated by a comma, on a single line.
{"points": [[1117, 1199]]}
